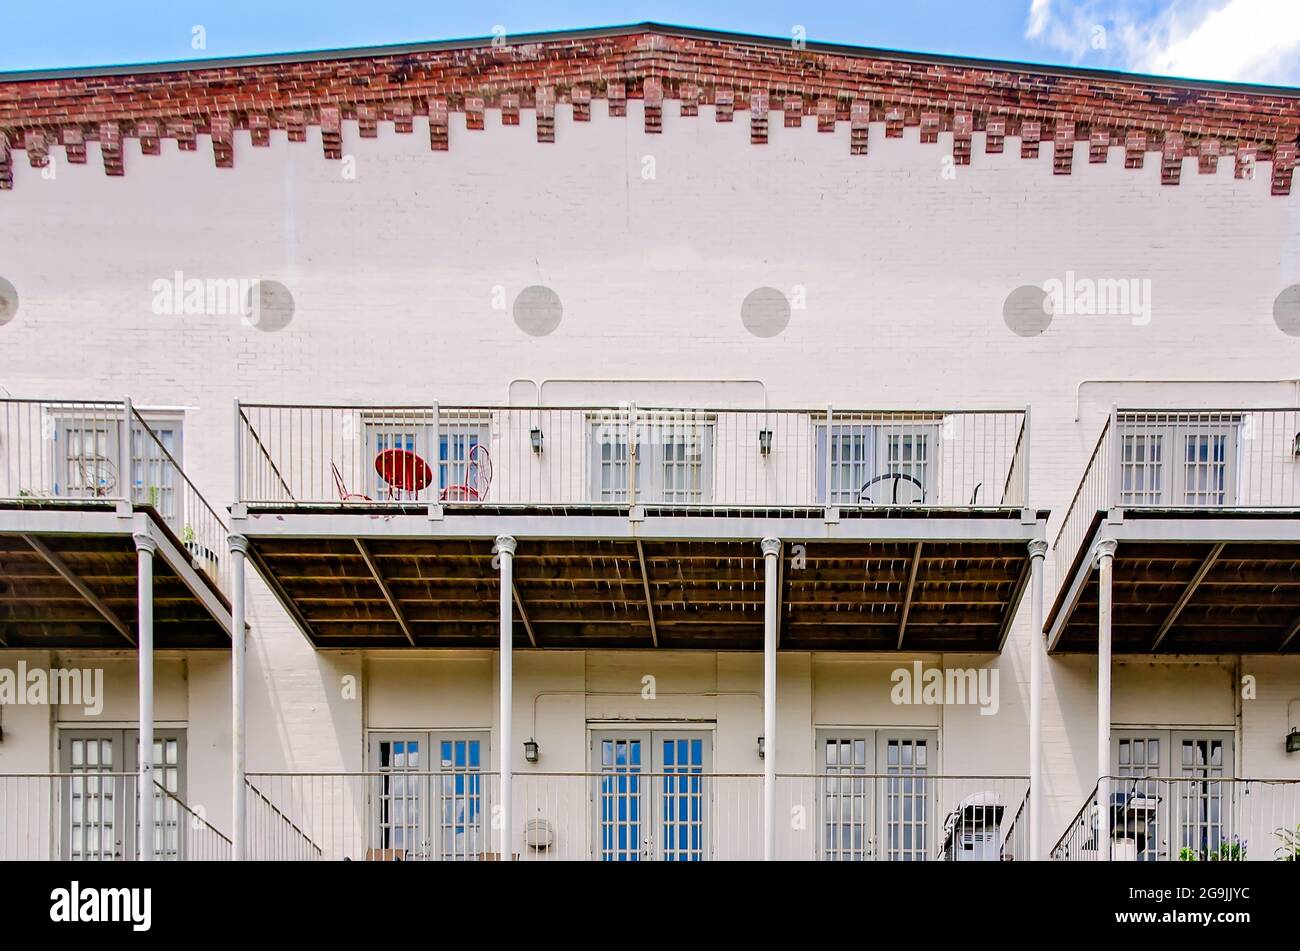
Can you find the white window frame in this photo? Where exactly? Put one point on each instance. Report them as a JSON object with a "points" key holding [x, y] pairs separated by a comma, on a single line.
{"points": [[865, 479], [669, 444], [1164, 483], [413, 431], [439, 791]]}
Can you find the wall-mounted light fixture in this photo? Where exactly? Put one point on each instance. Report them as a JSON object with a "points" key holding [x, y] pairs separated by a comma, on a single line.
{"points": [[765, 441], [761, 752], [531, 751], [1293, 741], [535, 437]]}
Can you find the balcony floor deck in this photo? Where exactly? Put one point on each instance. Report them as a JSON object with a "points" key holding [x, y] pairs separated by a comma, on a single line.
{"points": [[41, 608], [1188, 582], [597, 579]]}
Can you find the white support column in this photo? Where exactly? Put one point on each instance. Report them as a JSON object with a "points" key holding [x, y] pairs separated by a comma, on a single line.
{"points": [[504, 550], [1037, 552], [1105, 567], [238, 720], [145, 547], [771, 569]]}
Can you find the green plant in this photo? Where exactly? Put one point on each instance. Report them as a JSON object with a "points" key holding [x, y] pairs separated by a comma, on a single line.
{"points": [[1234, 851], [1289, 850], [1188, 855], [188, 537]]}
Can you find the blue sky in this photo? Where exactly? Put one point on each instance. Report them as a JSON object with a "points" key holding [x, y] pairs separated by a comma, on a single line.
{"points": [[1242, 40]]}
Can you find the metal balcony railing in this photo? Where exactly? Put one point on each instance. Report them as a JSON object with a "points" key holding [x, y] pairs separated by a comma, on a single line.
{"points": [[91, 815], [71, 452], [636, 816], [1204, 459], [620, 456], [1189, 819]]}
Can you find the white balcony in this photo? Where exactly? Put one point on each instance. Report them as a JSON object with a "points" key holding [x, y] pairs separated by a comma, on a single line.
{"points": [[1205, 818], [632, 815]]}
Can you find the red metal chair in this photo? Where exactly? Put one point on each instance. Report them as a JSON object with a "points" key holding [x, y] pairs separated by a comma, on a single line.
{"points": [[344, 494], [478, 478]]}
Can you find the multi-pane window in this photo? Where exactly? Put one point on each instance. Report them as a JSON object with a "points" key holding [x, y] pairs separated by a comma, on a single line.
{"points": [[907, 793], [101, 793], [1201, 807], [683, 800], [673, 460], [1185, 813], [462, 468], [877, 794], [620, 799], [89, 461], [1142, 463], [876, 463], [429, 806], [1177, 461], [652, 795], [94, 796], [846, 798]]}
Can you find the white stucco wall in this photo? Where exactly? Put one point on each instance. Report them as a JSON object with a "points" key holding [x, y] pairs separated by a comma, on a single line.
{"points": [[394, 274]]}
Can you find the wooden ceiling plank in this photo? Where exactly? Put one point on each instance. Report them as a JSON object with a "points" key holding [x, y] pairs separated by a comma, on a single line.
{"points": [[1188, 591], [369, 559], [72, 578]]}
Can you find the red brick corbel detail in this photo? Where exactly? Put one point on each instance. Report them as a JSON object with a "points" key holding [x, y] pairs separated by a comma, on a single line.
{"points": [[616, 95], [1135, 148], [6, 163], [439, 137], [1063, 148], [1283, 166], [38, 150], [74, 144], [652, 93], [110, 148], [963, 127], [331, 132], [510, 108], [1098, 147], [474, 109], [580, 98], [545, 98], [223, 141], [149, 132], [827, 112], [259, 129], [1031, 133], [403, 117], [724, 104], [1207, 156], [758, 117], [929, 128], [792, 110], [295, 124], [690, 94], [995, 134], [367, 121], [894, 124], [1171, 158], [859, 126]]}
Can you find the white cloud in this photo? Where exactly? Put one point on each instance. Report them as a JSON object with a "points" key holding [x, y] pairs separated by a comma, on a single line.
{"points": [[1242, 40]]}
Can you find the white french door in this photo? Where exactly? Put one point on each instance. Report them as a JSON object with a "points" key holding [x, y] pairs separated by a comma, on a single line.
{"points": [[429, 799], [1188, 464], [878, 794], [100, 799], [1187, 813], [652, 796]]}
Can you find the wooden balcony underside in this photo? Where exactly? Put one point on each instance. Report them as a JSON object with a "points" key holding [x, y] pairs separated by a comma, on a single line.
{"points": [[607, 593], [69, 590], [1185, 591]]}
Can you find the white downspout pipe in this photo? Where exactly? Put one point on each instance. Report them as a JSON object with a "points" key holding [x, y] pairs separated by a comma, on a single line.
{"points": [[771, 552], [145, 547], [238, 675], [1037, 552], [504, 550], [1105, 566]]}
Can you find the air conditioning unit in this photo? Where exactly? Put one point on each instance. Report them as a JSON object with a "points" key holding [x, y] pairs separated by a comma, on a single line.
{"points": [[972, 831]]}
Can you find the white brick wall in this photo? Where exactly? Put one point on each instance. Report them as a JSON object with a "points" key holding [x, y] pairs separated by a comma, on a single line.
{"points": [[393, 274]]}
